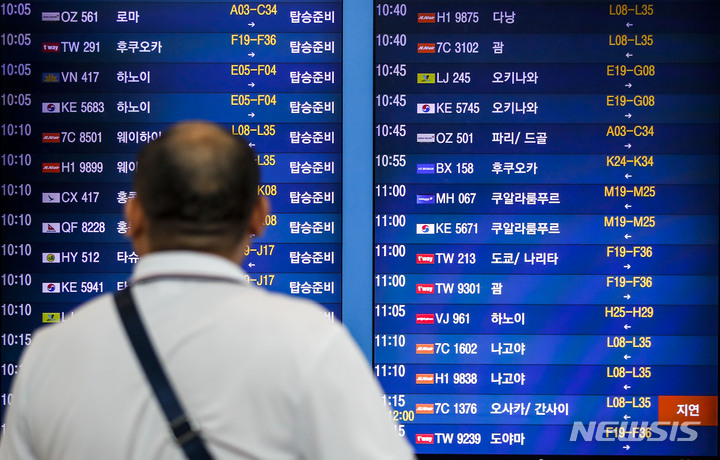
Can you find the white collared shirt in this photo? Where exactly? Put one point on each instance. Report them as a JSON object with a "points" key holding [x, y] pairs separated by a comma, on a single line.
{"points": [[264, 375]]}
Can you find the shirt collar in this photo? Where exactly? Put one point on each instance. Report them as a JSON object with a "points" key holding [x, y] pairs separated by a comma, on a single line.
{"points": [[186, 264]]}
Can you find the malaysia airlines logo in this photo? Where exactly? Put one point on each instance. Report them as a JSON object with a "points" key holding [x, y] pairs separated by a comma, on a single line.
{"points": [[426, 18], [50, 288], [50, 197], [425, 229], [425, 199], [424, 318], [50, 107], [424, 379], [426, 47], [51, 167], [424, 289], [425, 258], [51, 47], [51, 227], [426, 108], [426, 409], [424, 349]]}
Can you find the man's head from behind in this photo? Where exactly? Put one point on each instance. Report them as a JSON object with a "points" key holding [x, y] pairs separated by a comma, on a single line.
{"points": [[196, 190]]}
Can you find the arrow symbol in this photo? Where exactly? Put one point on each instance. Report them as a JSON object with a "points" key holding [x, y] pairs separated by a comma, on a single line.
{"points": [[251, 84], [626, 296], [251, 24], [629, 85], [251, 114], [628, 55], [627, 357], [628, 145], [251, 265], [627, 237], [251, 145], [626, 267], [629, 24], [252, 55], [626, 447], [627, 387], [626, 416], [627, 326], [628, 206], [628, 115], [628, 176]]}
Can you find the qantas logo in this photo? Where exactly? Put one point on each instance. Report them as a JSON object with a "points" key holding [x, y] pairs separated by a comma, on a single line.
{"points": [[424, 318], [426, 17], [424, 379], [424, 439], [424, 288], [424, 349], [51, 167], [425, 258], [426, 48], [426, 409]]}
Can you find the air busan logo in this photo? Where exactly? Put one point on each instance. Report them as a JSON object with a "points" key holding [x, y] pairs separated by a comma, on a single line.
{"points": [[425, 168], [424, 438], [424, 289]]}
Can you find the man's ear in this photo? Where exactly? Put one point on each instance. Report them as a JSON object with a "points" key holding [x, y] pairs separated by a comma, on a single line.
{"points": [[256, 226], [137, 225]]}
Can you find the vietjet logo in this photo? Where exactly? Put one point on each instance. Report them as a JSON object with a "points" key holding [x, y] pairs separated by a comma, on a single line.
{"points": [[427, 409], [424, 439], [424, 318], [424, 288], [424, 379], [426, 17], [424, 349], [425, 258]]}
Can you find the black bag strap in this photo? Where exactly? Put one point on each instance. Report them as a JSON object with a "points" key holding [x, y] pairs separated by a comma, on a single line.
{"points": [[185, 435]]}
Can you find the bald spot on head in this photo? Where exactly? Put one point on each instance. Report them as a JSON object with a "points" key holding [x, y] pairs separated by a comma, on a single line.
{"points": [[197, 185]]}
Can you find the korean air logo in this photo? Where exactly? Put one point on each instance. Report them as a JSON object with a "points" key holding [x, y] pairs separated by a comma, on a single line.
{"points": [[50, 288], [50, 107], [425, 229], [425, 108]]}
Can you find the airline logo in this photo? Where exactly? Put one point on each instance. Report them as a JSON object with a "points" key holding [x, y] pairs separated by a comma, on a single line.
{"points": [[426, 48], [51, 257], [50, 77], [426, 108], [50, 16], [425, 258], [424, 438], [424, 349], [51, 47], [51, 317], [424, 379], [50, 288], [50, 107], [51, 167], [426, 18], [423, 138], [426, 409], [51, 138], [426, 78], [426, 168], [425, 229], [424, 318], [50, 197], [51, 227], [425, 199], [424, 289]]}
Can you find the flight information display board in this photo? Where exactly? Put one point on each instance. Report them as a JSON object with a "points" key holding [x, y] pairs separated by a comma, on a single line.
{"points": [[85, 84], [546, 225]]}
